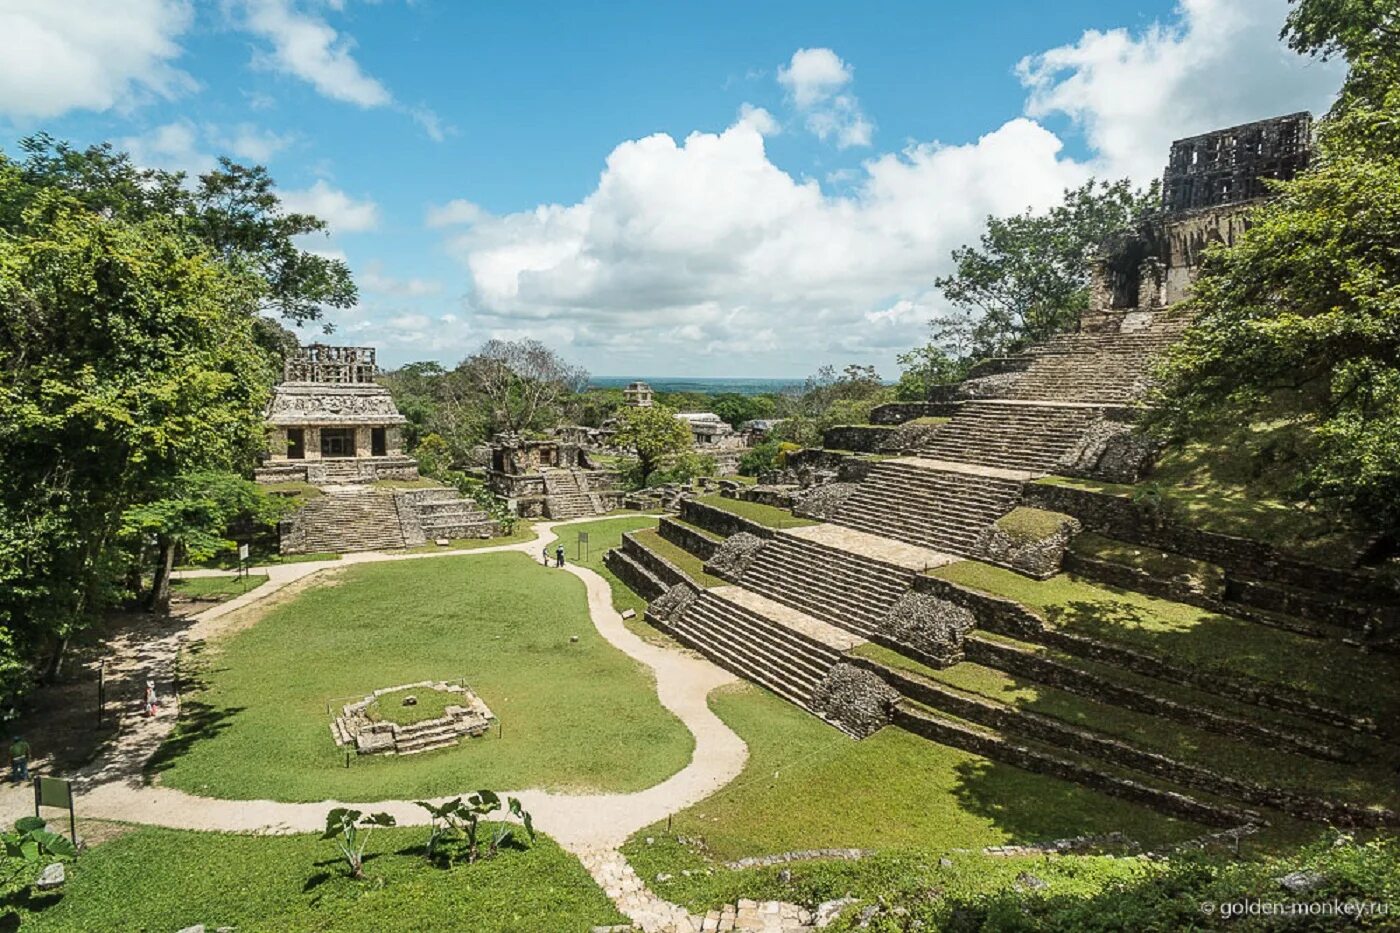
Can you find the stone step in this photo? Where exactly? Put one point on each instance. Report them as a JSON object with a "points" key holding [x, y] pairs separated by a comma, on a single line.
{"points": [[747, 659]]}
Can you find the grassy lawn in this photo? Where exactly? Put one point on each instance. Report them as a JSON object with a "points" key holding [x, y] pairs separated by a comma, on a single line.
{"points": [[228, 560], [768, 515], [691, 565], [1190, 635], [807, 785], [523, 531], [165, 880], [501, 622], [216, 589]]}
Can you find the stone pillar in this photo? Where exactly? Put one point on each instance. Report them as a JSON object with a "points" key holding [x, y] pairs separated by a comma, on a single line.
{"points": [[393, 440], [1152, 284], [313, 442], [363, 441], [277, 443]]}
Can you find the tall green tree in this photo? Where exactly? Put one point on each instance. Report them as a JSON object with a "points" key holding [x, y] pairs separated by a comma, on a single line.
{"points": [[1027, 278], [652, 435], [1300, 319]]}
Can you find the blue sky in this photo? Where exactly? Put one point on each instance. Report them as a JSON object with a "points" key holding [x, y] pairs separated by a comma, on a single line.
{"points": [[705, 189]]}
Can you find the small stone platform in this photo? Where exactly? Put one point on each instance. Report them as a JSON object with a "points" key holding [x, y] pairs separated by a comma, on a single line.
{"points": [[353, 727]]}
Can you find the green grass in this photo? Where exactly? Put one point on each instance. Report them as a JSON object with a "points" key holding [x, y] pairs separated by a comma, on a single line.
{"points": [[807, 785], [689, 564], [1188, 635], [1159, 564], [767, 515], [228, 560], [930, 419], [523, 531], [1028, 525], [702, 532], [165, 880], [501, 622], [432, 704], [216, 589]]}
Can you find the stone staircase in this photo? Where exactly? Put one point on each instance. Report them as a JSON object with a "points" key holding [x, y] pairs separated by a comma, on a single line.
{"points": [[761, 640], [1008, 434], [346, 518], [443, 513], [565, 498], [913, 500], [850, 590]]}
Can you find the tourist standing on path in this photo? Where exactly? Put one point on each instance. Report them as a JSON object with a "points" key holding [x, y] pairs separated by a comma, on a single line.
{"points": [[559, 556], [546, 555], [19, 759]]}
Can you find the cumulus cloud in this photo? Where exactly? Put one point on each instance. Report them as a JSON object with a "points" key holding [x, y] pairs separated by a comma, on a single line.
{"points": [[306, 46], [706, 245], [1218, 64], [176, 147], [342, 212], [373, 279], [817, 82], [89, 54], [453, 213]]}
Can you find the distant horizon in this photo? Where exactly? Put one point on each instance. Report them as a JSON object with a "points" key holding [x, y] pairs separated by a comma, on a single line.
{"points": [[738, 385]]}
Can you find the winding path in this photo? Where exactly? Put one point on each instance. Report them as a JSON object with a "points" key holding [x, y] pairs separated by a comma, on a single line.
{"points": [[115, 787]]}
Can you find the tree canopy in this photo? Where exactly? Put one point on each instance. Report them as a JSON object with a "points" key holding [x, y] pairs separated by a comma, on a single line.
{"points": [[652, 434], [1300, 319]]}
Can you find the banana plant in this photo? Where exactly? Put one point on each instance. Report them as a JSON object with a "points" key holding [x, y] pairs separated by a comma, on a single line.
{"points": [[351, 831], [29, 844], [459, 821]]}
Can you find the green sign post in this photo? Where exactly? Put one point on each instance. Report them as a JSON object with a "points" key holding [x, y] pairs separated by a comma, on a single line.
{"points": [[56, 792], [582, 549]]}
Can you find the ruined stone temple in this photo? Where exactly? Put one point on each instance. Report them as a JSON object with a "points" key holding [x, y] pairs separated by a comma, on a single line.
{"points": [[711, 435], [552, 477], [331, 426], [899, 505]]}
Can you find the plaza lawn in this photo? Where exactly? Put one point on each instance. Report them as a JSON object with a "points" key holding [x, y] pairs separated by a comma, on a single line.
{"points": [[574, 715], [216, 589], [161, 879], [808, 786], [523, 531]]}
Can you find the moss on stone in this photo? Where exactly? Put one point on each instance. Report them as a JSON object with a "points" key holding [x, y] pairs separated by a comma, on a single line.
{"points": [[1027, 524], [1160, 564]]}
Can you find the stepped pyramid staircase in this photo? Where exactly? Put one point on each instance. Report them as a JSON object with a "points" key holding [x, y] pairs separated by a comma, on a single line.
{"points": [[566, 497], [782, 620], [349, 518]]}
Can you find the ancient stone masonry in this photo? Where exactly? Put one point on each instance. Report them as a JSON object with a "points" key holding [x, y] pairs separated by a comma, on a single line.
{"points": [[552, 477], [1228, 166], [856, 698], [932, 627], [331, 426], [356, 726]]}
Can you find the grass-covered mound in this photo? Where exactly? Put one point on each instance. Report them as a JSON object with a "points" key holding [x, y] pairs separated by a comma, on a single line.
{"points": [[160, 879], [768, 515], [501, 622], [431, 704], [1331, 672]]}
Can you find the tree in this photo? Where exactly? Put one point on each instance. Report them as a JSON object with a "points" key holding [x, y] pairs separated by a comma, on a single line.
{"points": [[1027, 280], [926, 368], [652, 434], [1300, 319], [233, 210], [194, 516], [521, 381], [736, 409]]}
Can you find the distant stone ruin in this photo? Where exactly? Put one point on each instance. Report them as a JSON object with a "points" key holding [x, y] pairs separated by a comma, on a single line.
{"points": [[552, 477], [1231, 166], [331, 426]]}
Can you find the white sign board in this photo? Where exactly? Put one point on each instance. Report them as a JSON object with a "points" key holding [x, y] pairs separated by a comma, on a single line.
{"points": [[243, 552]]}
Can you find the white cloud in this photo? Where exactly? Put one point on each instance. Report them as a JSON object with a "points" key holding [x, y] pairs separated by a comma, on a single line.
{"points": [[89, 54], [759, 119], [374, 280], [817, 83], [249, 142], [1218, 64], [453, 213], [707, 248], [176, 147], [342, 212], [306, 46]]}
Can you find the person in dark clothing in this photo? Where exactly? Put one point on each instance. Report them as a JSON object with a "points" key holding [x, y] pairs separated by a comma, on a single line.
{"points": [[559, 556], [19, 759]]}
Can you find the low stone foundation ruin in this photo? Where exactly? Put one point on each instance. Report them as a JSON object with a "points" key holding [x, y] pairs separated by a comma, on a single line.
{"points": [[353, 727]]}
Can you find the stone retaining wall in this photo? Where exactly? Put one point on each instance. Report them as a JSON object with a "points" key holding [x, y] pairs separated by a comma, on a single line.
{"points": [[900, 412], [863, 438], [688, 538], [1047, 729], [658, 566], [633, 574], [719, 521]]}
